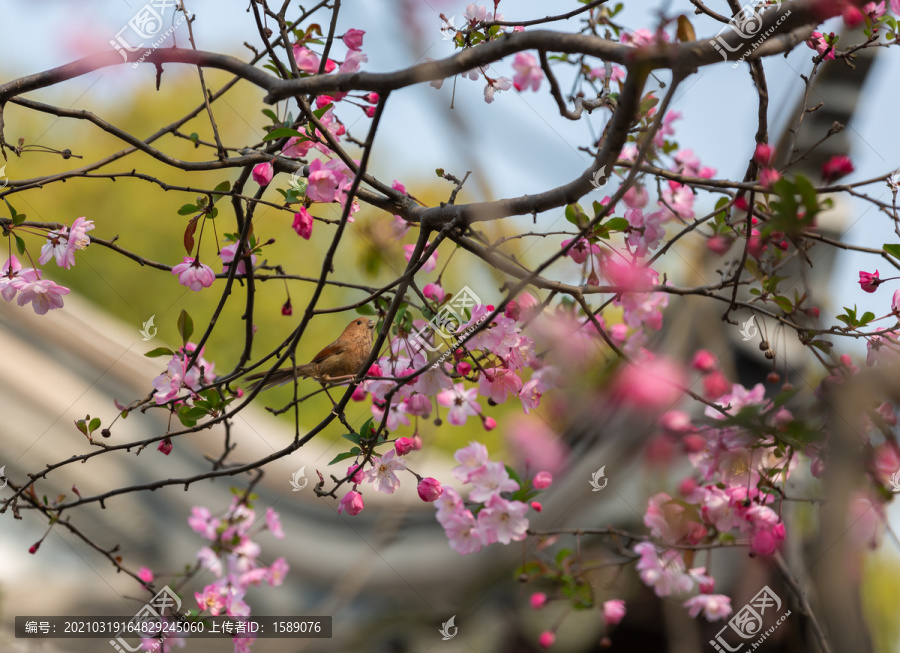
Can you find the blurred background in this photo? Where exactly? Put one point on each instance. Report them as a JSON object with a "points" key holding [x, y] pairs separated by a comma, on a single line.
{"points": [[387, 576]]}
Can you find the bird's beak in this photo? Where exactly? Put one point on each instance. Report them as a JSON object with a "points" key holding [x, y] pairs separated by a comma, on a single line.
{"points": [[371, 324]]}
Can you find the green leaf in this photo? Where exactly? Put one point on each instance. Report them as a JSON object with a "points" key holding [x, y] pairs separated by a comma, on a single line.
{"points": [[159, 351], [439, 172], [318, 113], [616, 224], [18, 219], [365, 309], [94, 425], [187, 209], [562, 555], [513, 475], [353, 437], [893, 250], [283, 132], [355, 451], [185, 326], [268, 113], [222, 188], [867, 317], [20, 245]]}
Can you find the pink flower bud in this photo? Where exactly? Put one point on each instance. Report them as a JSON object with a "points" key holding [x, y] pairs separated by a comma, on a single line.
{"points": [[403, 446], [358, 474], [352, 502], [704, 361], [419, 405], [538, 600], [513, 311], [869, 281], [489, 423], [546, 639], [693, 443], [371, 98], [768, 176], [613, 611], [463, 368], [434, 291], [375, 371], [369, 111], [263, 173], [417, 442], [286, 309], [34, 547], [718, 244], [687, 486], [676, 422], [145, 575], [429, 489], [536, 506], [763, 154], [715, 385], [836, 167], [813, 312], [353, 39], [359, 394], [542, 480], [165, 446]]}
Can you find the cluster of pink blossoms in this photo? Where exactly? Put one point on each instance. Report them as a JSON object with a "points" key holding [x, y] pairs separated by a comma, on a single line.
{"points": [[44, 294], [233, 557], [177, 377], [499, 519]]}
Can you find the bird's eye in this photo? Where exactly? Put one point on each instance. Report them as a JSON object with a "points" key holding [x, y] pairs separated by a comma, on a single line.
{"points": [[358, 322]]}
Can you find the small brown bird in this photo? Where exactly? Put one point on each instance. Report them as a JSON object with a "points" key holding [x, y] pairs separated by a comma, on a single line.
{"points": [[340, 360]]}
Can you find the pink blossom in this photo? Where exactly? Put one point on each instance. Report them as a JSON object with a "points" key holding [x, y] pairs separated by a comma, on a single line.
{"points": [[353, 38], [273, 523], [470, 459], [434, 291], [12, 277], [763, 154], [651, 384], [303, 223], [713, 606], [352, 502], [464, 533], [817, 41], [665, 129], [581, 250], [356, 473], [547, 639], [873, 10], [836, 167], [503, 521], [869, 281], [429, 265], [528, 72], [497, 383], [165, 446], [677, 201], [542, 480], [322, 183], [895, 302], [263, 173], [461, 402], [489, 480], [403, 446], [227, 255], [429, 489], [211, 599], [628, 277], [307, 60], [352, 61], [57, 246], [476, 13], [646, 231], [145, 575], [297, 147], [676, 422], [718, 244], [277, 572], [715, 384], [665, 573], [613, 612], [533, 444], [643, 37], [419, 405], [704, 361], [852, 15], [537, 600], [193, 274], [44, 295], [495, 85], [203, 523], [382, 475]]}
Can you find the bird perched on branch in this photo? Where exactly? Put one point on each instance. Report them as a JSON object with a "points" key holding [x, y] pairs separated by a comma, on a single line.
{"points": [[341, 360]]}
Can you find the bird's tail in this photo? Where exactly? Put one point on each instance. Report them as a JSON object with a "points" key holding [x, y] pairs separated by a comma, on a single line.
{"points": [[282, 376]]}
